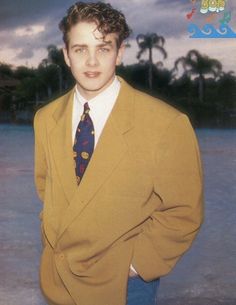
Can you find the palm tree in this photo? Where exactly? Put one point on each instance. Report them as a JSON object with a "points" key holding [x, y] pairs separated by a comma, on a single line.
{"points": [[196, 64], [55, 57], [48, 77], [147, 43], [6, 71], [226, 92]]}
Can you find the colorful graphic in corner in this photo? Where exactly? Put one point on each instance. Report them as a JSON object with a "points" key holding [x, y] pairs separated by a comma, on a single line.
{"points": [[215, 17], [212, 6]]}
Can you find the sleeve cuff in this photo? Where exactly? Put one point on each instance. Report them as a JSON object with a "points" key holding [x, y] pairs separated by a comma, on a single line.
{"points": [[132, 268]]}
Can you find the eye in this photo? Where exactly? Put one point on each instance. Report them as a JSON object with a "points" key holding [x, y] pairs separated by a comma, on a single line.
{"points": [[103, 50], [80, 50]]}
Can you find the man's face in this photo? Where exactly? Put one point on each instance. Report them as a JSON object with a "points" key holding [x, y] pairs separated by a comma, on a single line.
{"points": [[91, 58]]}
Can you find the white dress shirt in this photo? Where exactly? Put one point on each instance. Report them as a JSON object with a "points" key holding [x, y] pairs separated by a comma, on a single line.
{"points": [[100, 108]]}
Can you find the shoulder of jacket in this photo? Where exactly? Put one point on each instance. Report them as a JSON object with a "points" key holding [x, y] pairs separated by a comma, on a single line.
{"points": [[146, 102], [49, 108], [154, 108]]}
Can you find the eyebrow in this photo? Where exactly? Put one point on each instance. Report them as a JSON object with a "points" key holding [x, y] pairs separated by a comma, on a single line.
{"points": [[78, 46], [107, 43]]}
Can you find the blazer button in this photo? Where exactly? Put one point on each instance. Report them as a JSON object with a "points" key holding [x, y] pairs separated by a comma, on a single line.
{"points": [[61, 256]]}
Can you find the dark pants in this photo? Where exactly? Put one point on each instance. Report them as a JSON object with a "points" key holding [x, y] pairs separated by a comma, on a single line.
{"points": [[141, 292]]}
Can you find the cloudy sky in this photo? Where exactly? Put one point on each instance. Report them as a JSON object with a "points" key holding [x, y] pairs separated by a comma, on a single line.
{"points": [[27, 27]]}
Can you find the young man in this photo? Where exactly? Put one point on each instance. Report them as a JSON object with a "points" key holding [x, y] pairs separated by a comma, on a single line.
{"points": [[118, 172]]}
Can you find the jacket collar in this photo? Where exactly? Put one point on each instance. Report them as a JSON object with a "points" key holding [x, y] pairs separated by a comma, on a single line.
{"points": [[109, 151]]}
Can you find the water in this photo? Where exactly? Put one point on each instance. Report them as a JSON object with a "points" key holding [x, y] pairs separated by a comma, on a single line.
{"points": [[19, 224], [208, 270], [205, 275]]}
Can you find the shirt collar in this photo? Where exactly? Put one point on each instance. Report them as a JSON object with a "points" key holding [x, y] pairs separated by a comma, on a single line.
{"points": [[109, 93]]}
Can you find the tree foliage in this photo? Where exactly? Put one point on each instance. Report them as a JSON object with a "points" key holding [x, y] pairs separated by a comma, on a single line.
{"points": [[148, 42], [196, 84], [196, 64]]}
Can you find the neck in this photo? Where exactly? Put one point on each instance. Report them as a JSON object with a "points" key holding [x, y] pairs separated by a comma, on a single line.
{"points": [[89, 94]]}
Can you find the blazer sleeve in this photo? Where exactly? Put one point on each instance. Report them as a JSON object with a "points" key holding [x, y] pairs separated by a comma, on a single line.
{"points": [[170, 230], [40, 166]]}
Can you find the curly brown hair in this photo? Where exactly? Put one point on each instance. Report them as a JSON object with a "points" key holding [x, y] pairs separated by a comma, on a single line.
{"points": [[108, 20]]}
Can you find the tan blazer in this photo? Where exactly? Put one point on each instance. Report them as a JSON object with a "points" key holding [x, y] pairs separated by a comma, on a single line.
{"points": [[139, 202]]}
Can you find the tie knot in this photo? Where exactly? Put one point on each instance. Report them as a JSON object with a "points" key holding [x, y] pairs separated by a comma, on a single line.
{"points": [[86, 111], [86, 108]]}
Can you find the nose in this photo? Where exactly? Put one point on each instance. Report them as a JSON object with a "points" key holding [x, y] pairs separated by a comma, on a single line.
{"points": [[92, 59]]}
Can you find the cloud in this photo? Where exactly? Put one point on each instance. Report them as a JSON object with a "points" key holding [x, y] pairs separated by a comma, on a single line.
{"points": [[220, 49], [157, 16], [22, 13], [28, 27], [29, 30], [30, 39], [25, 54]]}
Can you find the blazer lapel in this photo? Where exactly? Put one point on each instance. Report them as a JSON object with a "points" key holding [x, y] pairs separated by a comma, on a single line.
{"points": [[61, 145], [107, 155]]}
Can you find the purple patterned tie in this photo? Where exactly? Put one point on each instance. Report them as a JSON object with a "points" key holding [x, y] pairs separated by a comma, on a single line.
{"points": [[84, 143]]}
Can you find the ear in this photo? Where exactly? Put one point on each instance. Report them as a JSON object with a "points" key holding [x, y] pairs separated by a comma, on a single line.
{"points": [[120, 53], [66, 56]]}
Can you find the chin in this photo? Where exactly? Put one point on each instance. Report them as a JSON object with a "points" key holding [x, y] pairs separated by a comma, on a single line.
{"points": [[92, 85]]}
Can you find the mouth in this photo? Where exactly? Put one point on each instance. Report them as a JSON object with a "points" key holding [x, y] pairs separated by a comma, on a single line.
{"points": [[90, 74]]}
